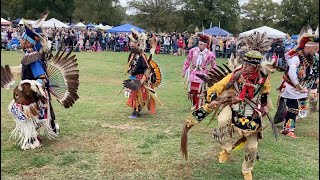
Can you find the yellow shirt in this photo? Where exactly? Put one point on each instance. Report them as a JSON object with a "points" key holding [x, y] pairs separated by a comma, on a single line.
{"points": [[220, 86]]}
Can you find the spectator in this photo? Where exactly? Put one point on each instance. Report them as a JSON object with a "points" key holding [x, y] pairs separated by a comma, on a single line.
{"points": [[166, 44], [181, 46], [99, 48], [104, 41], [87, 45]]}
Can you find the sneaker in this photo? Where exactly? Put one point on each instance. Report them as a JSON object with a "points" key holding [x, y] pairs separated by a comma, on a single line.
{"points": [[288, 133], [291, 134], [223, 156], [133, 117]]}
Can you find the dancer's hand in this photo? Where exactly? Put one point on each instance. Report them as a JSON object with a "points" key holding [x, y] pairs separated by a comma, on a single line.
{"points": [[236, 100], [142, 81], [265, 110]]}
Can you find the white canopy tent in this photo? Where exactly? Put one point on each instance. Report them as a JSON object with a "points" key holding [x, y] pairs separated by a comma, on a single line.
{"points": [[5, 22], [27, 21], [98, 26], [271, 33], [51, 23], [80, 25], [106, 27]]}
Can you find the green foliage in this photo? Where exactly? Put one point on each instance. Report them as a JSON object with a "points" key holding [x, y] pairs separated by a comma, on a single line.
{"points": [[101, 11], [175, 15], [203, 12], [157, 15], [298, 13], [98, 11], [31, 9], [257, 13]]}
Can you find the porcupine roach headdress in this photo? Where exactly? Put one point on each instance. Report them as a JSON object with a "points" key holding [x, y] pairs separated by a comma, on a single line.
{"points": [[257, 42]]}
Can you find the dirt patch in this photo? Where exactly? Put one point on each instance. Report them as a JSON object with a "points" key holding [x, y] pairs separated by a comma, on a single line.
{"points": [[122, 127], [35, 172], [311, 134]]}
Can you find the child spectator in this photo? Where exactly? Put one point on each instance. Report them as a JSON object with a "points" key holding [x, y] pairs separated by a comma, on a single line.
{"points": [[87, 45], [99, 48], [181, 46]]}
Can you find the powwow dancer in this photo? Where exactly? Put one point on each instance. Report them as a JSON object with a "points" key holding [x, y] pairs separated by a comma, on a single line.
{"points": [[197, 62], [297, 81], [243, 96], [145, 75], [313, 93], [41, 75]]}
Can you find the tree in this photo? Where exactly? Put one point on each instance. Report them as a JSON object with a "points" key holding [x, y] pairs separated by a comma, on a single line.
{"points": [[99, 11], [157, 15], [299, 13], [205, 12], [258, 13], [31, 9]]}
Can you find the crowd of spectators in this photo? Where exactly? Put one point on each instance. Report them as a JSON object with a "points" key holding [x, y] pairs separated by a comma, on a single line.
{"points": [[167, 43]]}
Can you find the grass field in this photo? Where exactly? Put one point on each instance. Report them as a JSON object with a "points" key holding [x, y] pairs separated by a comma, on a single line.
{"points": [[98, 141]]}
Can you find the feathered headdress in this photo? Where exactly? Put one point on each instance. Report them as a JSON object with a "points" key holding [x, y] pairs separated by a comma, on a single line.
{"points": [[254, 46], [306, 38], [35, 34], [256, 41], [139, 38]]}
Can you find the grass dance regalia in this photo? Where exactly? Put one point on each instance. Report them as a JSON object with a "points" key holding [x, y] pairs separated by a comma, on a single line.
{"points": [[42, 75], [299, 78], [145, 75], [239, 98], [197, 63]]}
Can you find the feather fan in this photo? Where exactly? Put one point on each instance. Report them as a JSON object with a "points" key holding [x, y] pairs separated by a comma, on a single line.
{"points": [[63, 78], [132, 84], [7, 78], [215, 75]]}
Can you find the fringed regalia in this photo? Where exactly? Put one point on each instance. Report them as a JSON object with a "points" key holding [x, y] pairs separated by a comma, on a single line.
{"points": [[298, 79], [197, 62], [145, 76], [42, 75], [242, 97]]}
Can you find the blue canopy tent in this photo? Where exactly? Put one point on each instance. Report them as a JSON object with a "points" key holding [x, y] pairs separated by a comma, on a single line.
{"points": [[90, 25], [16, 21], [126, 28], [217, 31]]}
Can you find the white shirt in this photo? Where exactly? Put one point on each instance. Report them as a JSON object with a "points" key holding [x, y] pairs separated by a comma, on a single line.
{"points": [[289, 91]]}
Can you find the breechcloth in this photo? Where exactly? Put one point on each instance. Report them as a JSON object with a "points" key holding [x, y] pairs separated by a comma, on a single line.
{"points": [[196, 95], [137, 99]]}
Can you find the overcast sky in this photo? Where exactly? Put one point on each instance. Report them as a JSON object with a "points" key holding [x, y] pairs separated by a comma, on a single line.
{"points": [[124, 2]]}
